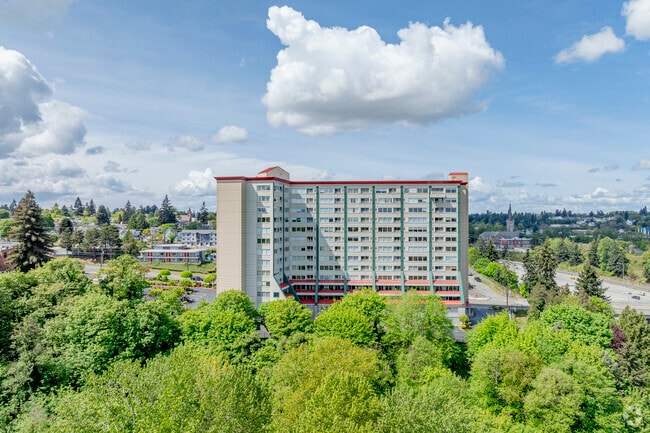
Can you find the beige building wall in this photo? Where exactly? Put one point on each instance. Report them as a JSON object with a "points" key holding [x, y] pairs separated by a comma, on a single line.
{"points": [[231, 217]]}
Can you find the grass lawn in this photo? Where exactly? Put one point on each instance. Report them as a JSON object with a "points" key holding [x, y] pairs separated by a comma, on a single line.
{"points": [[203, 268]]}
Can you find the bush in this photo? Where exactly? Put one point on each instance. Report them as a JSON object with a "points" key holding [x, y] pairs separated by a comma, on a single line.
{"points": [[465, 323], [209, 278], [186, 274], [155, 292], [163, 275], [186, 283]]}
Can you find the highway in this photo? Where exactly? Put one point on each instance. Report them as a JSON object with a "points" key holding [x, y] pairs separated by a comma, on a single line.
{"points": [[620, 292]]}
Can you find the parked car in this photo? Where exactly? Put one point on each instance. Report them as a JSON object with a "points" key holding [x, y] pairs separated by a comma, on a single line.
{"points": [[641, 293], [478, 279], [636, 297]]}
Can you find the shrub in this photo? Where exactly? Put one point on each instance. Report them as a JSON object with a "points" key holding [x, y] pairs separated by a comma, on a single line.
{"points": [[155, 292], [186, 283], [186, 274], [210, 278]]}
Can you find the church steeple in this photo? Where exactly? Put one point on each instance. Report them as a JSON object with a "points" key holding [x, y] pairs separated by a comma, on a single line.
{"points": [[510, 224]]}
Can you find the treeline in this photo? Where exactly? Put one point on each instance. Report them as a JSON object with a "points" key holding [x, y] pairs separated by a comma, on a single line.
{"points": [[560, 224], [84, 357]]}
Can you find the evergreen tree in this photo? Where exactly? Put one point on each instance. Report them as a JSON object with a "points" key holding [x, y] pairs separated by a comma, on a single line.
{"points": [[64, 211], [203, 214], [617, 263], [78, 207], [547, 266], [103, 217], [166, 213], [491, 252], [592, 254], [90, 207], [34, 244], [129, 211], [130, 245], [12, 206], [562, 252], [138, 221], [588, 284], [65, 225], [575, 255]]}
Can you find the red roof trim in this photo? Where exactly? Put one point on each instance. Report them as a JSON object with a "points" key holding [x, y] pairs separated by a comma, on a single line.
{"points": [[445, 283], [389, 282], [417, 282], [340, 182], [269, 169]]}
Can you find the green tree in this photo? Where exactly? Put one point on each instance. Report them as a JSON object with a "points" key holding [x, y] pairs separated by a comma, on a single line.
{"points": [[203, 214], [592, 254], [166, 213], [103, 216], [128, 212], [585, 326], [130, 246], [413, 316], [138, 222], [617, 263], [188, 391], [78, 207], [34, 245], [284, 317], [330, 385], [491, 252], [123, 278], [588, 284], [646, 265]]}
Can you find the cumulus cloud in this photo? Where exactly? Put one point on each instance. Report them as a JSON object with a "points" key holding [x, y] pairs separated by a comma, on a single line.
{"points": [[31, 123], [95, 150], [509, 184], [643, 164], [592, 47], [230, 134], [602, 196], [188, 142], [611, 167], [198, 183], [57, 168], [110, 184], [637, 16], [333, 79], [116, 167], [138, 145]]}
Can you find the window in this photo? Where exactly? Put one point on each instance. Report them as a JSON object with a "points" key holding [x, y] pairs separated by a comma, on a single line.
{"points": [[263, 198], [263, 187]]}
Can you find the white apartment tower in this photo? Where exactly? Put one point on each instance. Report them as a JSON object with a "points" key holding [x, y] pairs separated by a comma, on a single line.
{"points": [[318, 240]]}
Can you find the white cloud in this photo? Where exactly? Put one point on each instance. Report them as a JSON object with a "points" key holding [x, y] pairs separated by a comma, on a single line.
{"points": [[61, 131], [190, 142], [95, 150], [611, 167], [116, 167], [138, 145], [332, 79], [643, 164], [110, 184], [198, 183], [57, 168], [637, 15], [230, 134], [601, 196], [509, 184], [591, 47], [30, 122]]}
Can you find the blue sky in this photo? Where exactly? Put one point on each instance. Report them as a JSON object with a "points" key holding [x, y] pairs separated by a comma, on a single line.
{"points": [[546, 104]]}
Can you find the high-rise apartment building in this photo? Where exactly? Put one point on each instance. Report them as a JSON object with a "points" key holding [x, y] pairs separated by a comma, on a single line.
{"points": [[318, 240]]}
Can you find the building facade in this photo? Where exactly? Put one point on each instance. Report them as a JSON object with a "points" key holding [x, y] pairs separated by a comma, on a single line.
{"points": [[173, 254], [318, 240], [203, 238]]}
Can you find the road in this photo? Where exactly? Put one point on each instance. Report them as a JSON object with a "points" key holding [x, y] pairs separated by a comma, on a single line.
{"points": [[620, 292]]}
